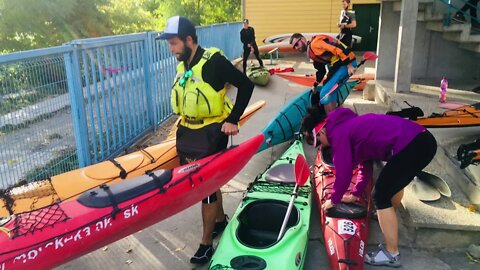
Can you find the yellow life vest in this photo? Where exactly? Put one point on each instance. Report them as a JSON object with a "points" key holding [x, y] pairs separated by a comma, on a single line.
{"points": [[196, 101]]}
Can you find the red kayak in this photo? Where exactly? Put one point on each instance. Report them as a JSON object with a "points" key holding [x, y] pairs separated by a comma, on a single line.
{"points": [[48, 237], [308, 80], [345, 226]]}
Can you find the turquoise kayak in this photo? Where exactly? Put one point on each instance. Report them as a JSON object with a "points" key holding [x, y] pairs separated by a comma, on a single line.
{"points": [[250, 238], [287, 122], [283, 127]]}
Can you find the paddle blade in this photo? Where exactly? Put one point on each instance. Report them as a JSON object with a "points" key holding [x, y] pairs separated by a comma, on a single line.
{"points": [[302, 172], [370, 56]]}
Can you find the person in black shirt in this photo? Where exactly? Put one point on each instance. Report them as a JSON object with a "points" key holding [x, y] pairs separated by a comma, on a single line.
{"points": [[346, 23], [247, 36], [202, 133]]}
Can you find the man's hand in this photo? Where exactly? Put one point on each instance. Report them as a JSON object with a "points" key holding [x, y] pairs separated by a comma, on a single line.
{"points": [[351, 69], [349, 198], [327, 205], [249, 45], [314, 88], [229, 128]]}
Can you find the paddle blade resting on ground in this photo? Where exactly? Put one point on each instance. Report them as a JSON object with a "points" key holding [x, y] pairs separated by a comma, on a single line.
{"points": [[302, 171]]}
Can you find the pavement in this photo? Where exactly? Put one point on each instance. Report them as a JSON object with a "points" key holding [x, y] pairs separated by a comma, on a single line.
{"points": [[170, 244]]}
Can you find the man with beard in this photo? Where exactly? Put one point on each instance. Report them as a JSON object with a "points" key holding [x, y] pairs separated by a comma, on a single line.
{"points": [[207, 115], [346, 23]]}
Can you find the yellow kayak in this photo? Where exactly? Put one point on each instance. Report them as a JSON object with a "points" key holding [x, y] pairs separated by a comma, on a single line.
{"points": [[70, 184]]}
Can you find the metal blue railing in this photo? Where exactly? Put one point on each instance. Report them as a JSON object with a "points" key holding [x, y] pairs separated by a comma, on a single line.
{"points": [[452, 7], [73, 105]]}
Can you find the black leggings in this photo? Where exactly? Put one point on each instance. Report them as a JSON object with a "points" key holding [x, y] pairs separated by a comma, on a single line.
{"points": [[472, 5], [246, 53], [403, 167]]}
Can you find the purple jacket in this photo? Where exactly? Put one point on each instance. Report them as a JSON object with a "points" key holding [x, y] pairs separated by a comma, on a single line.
{"points": [[358, 140]]}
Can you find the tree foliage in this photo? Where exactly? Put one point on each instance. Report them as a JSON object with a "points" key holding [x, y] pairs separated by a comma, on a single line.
{"points": [[30, 24]]}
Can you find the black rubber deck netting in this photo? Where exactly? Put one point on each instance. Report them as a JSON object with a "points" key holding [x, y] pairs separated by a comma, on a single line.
{"points": [[278, 188], [37, 220]]}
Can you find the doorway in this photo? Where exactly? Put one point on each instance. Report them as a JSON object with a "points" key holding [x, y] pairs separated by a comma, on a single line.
{"points": [[367, 16]]}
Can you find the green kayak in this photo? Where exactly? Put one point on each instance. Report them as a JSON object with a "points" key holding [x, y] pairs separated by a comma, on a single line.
{"points": [[250, 239]]}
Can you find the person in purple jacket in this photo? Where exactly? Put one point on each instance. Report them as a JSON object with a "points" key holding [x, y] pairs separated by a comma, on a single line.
{"points": [[359, 140]]}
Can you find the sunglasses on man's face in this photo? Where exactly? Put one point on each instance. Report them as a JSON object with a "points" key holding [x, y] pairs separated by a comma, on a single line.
{"points": [[183, 80], [296, 43]]}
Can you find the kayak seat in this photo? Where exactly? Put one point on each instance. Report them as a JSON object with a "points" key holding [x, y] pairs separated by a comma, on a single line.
{"points": [[260, 222], [282, 173], [327, 156], [106, 195], [347, 210]]}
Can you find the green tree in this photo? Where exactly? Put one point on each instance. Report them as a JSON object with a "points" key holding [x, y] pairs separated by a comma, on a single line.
{"points": [[131, 16], [29, 24], [201, 12]]}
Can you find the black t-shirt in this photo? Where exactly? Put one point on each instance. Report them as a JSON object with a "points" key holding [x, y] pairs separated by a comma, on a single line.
{"points": [[347, 17], [217, 72], [247, 36]]}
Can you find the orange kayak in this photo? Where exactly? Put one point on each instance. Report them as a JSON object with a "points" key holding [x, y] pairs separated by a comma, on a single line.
{"points": [[465, 116], [308, 80], [71, 184]]}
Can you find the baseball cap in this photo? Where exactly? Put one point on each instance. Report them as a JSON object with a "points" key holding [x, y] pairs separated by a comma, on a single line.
{"points": [[245, 21], [178, 26], [316, 130]]}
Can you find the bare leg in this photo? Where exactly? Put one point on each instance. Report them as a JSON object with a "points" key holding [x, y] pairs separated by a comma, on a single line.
{"points": [[388, 223], [220, 213], [397, 199]]}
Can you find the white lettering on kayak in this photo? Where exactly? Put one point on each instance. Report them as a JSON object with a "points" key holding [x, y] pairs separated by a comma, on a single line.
{"points": [[131, 212], [3, 266], [103, 224], [78, 236], [362, 248], [331, 247], [60, 242], [188, 168], [346, 226]]}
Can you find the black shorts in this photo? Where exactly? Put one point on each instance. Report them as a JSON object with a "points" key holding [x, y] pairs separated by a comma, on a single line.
{"points": [[403, 167], [194, 144]]}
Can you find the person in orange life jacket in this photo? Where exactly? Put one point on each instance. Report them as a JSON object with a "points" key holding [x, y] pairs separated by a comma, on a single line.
{"points": [[201, 131], [326, 51], [247, 36], [355, 141], [346, 23]]}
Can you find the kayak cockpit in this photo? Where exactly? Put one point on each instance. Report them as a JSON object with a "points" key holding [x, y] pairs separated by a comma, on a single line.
{"points": [[347, 210], [110, 195], [260, 222]]}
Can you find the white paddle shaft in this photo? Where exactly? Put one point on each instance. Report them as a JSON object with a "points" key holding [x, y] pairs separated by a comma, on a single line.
{"points": [[289, 210]]}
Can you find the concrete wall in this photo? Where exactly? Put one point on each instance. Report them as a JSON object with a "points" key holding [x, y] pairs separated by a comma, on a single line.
{"points": [[433, 56], [387, 42]]}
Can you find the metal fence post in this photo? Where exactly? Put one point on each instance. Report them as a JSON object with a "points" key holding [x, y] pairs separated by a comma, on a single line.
{"points": [[147, 73], [80, 128]]}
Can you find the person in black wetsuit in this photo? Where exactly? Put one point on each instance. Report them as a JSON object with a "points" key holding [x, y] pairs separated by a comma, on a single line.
{"points": [[247, 36]]}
